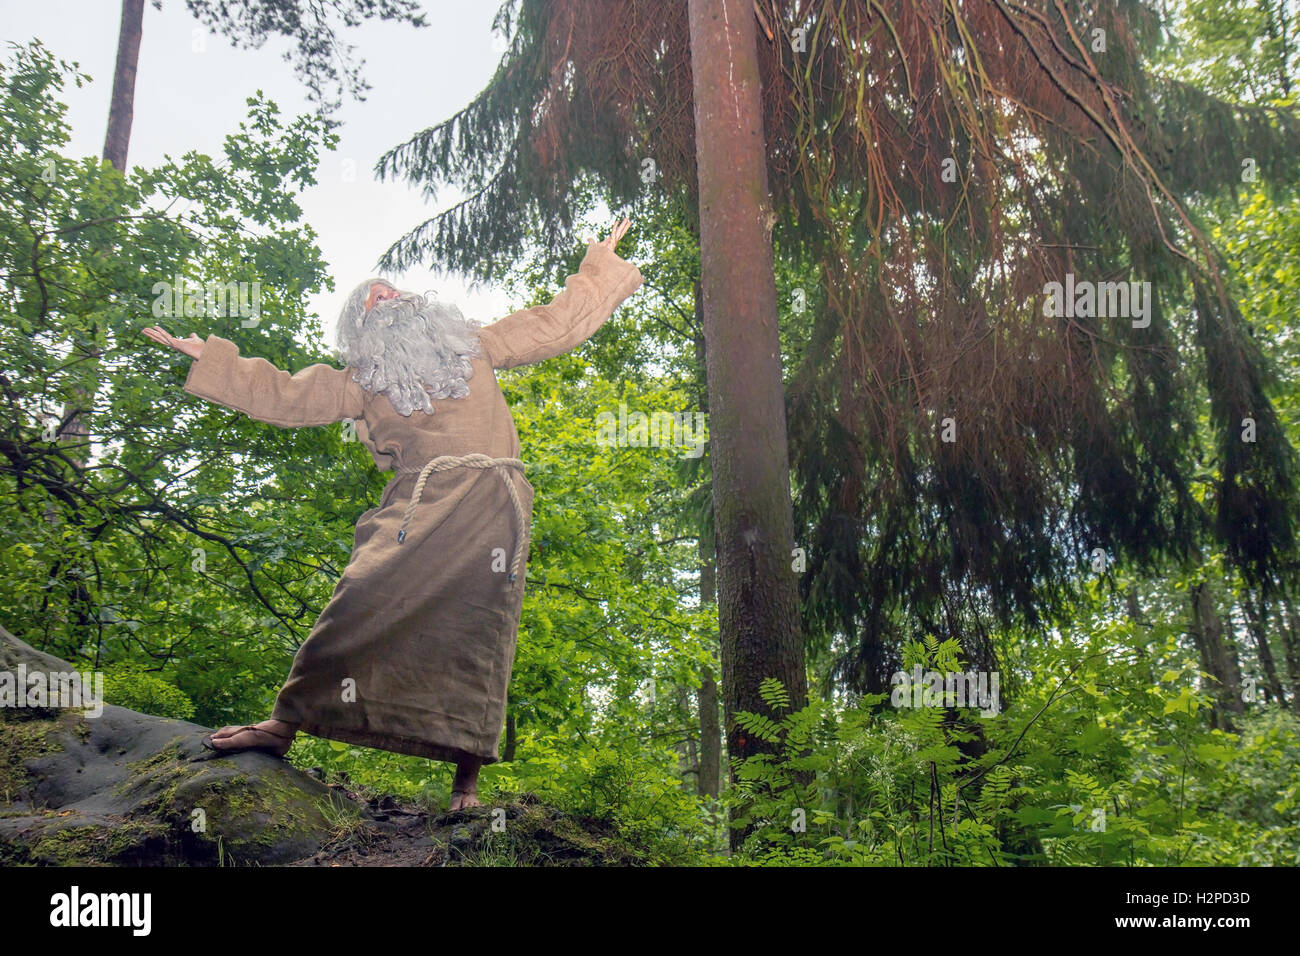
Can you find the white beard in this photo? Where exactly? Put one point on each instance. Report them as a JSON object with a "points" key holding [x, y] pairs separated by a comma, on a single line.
{"points": [[411, 349]]}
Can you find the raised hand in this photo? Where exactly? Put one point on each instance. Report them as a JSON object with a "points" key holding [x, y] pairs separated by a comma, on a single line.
{"points": [[620, 229], [193, 346]]}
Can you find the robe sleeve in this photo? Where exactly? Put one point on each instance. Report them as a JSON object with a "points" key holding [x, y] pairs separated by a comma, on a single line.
{"points": [[317, 395], [602, 281]]}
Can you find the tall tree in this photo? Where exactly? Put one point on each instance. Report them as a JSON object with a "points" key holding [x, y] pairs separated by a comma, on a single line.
{"points": [[74, 432], [1218, 655], [758, 605], [122, 107], [709, 782]]}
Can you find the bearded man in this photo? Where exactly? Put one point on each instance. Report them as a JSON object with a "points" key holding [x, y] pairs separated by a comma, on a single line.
{"points": [[413, 652]]}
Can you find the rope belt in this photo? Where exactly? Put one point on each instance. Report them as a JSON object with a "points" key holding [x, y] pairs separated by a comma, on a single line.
{"points": [[475, 460]]}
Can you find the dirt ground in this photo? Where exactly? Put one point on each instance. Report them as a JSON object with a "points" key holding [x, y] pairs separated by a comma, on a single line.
{"points": [[524, 832]]}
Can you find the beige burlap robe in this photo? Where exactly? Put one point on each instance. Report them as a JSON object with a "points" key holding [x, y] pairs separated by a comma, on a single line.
{"points": [[422, 633]]}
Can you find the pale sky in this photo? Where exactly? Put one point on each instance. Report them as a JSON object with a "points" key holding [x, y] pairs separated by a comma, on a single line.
{"points": [[190, 99]]}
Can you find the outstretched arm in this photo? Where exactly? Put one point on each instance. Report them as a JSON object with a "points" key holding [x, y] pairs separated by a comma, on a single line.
{"points": [[590, 295], [317, 395]]}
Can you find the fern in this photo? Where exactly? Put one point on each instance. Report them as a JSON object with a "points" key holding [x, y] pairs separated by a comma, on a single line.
{"points": [[761, 727], [774, 694]]}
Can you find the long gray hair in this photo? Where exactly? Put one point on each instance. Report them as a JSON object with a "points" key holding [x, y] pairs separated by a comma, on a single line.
{"points": [[411, 348]]}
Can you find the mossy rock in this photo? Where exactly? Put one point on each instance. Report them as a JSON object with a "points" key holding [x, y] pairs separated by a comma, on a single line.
{"points": [[124, 788], [24, 738], [82, 840]]}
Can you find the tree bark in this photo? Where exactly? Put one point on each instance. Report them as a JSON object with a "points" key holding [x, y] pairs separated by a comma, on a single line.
{"points": [[710, 777], [1139, 618], [689, 748], [708, 780], [75, 431], [122, 110], [758, 606], [1257, 623], [1218, 655]]}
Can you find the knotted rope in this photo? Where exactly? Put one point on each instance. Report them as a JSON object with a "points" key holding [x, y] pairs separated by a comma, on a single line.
{"points": [[475, 460]]}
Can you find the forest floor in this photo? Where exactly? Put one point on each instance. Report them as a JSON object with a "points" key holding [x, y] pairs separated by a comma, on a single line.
{"points": [[523, 832]]}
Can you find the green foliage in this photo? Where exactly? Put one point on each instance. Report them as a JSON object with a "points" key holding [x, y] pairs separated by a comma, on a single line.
{"points": [[129, 685], [1106, 758], [1240, 50], [183, 531], [602, 611], [618, 780]]}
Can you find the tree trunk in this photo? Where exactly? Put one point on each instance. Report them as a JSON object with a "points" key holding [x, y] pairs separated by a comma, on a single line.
{"points": [[1218, 656], [1139, 619], [1257, 623], [689, 748], [758, 605], [75, 432], [710, 778], [122, 109]]}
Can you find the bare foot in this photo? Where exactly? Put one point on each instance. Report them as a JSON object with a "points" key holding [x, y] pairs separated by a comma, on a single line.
{"points": [[272, 736], [464, 788], [463, 801]]}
